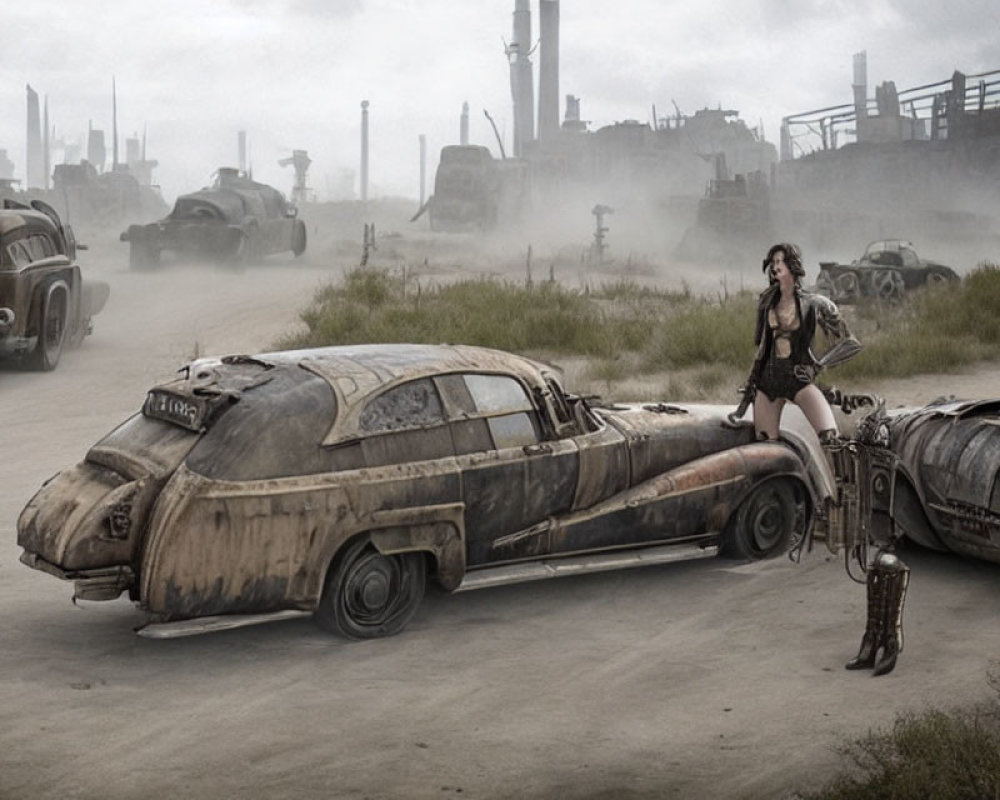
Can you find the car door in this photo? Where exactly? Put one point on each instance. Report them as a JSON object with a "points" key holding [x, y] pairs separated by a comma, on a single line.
{"points": [[513, 479]]}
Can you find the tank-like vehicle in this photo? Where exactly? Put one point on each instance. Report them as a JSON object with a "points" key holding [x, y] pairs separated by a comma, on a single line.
{"points": [[44, 302], [474, 191], [236, 221], [886, 271]]}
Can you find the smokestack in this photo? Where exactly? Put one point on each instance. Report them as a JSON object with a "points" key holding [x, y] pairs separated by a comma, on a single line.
{"points": [[364, 151], [860, 86], [521, 78], [46, 148], [463, 127], [423, 166], [114, 125], [548, 69], [34, 166], [96, 152], [241, 149]]}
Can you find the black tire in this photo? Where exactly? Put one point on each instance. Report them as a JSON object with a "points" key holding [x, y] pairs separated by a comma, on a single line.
{"points": [[51, 332], [248, 248], [299, 238], [368, 595], [763, 525]]}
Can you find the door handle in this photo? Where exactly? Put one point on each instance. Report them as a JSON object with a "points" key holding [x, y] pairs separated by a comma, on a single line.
{"points": [[537, 449]]}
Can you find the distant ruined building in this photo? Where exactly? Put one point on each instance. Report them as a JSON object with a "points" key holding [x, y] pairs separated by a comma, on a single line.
{"points": [[923, 162]]}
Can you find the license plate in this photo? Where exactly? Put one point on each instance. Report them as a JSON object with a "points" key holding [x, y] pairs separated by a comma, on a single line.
{"points": [[187, 412]]}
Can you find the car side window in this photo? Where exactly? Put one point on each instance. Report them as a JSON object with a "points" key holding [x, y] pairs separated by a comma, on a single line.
{"points": [[19, 254], [909, 257], [412, 405], [494, 411]]}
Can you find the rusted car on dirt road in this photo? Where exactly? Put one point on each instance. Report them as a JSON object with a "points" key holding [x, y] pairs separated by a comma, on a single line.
{"points": [[335, 481], [45, 305], [235, 221], [886, 271], [948, 497]]}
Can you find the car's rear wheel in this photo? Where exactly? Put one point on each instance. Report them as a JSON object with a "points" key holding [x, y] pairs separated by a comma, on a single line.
{"points": [[763, 525], [299, 237], [368, 594], [51, 332]]}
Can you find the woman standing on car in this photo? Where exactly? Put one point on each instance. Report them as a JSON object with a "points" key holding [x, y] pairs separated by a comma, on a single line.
{"points": [[785, 368]]}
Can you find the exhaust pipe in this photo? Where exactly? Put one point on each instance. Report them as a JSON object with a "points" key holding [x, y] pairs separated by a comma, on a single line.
{"points": [[6, 318]]}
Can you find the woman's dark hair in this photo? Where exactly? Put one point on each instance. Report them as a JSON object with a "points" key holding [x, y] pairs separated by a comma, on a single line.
{"points": [[793, 259]]}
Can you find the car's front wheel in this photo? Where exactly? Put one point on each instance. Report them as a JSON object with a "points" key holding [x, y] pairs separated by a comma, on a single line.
{"points": [[764, 523], [368, 594]]}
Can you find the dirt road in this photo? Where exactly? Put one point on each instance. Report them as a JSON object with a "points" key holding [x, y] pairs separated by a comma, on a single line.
{"points": [[708, 679]]}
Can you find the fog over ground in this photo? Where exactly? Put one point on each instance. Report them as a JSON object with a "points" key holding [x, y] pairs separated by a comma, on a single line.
{"points": [[293, 73]]}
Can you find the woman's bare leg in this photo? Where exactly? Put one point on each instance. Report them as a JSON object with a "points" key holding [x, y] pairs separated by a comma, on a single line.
{"points": [[767, 416], [813, 404]]}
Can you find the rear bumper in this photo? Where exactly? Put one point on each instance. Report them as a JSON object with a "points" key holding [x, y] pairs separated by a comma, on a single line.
{"points": [[103, 583]]}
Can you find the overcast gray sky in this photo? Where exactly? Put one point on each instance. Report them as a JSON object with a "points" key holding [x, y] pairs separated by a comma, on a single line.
{"points": [[294, 72]]}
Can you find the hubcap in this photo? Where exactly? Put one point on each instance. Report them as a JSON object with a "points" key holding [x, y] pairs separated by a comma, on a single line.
{"points": [[371, 588], [768, 524], [375, 591]]}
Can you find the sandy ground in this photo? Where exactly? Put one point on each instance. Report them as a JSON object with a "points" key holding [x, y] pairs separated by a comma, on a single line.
{"points": [[705, 679]]}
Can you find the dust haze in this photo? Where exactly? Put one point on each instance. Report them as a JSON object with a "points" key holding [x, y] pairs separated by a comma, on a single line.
{"points": [[707, 679]]}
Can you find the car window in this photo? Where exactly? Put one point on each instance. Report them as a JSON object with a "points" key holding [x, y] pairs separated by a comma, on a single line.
{"points": [[40, 247], [489, 412], [412, 405], [19, 253], [909, 257], [494, 394], [512, 430]]}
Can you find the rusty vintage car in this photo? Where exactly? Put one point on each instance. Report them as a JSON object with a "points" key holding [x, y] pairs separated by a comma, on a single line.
{"points": [[334, 481], [45, 304], [948, 494], [886, 271], [235, 221]]}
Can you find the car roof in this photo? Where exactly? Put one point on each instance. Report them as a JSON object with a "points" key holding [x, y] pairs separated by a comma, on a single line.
{"points": [[34, 221], [358, 372]]}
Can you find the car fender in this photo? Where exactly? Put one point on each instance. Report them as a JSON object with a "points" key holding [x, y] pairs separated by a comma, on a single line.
{"points": [[438, 530], [765, 461], [720, 482], [909, 513]]}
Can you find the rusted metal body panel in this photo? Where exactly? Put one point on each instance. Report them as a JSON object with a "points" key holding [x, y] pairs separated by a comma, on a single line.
{"points": [[242, 483], [44, 302], [950, 457]]}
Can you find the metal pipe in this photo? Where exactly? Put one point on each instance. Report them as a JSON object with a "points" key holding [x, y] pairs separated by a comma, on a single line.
{"points": [[521, 80], [364, 151], [548, 69], [463, 125], [34, 165], [423, 164]]}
